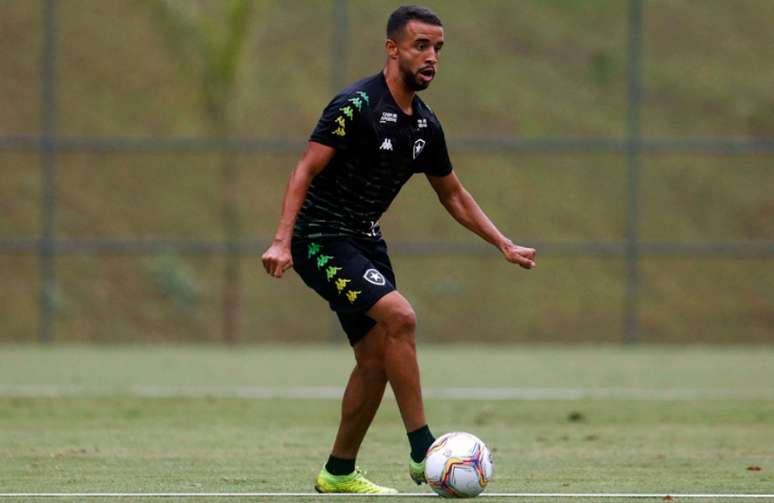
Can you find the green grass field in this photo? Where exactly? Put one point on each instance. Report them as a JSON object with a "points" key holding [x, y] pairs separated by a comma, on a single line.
{"points": [[189, 419]]}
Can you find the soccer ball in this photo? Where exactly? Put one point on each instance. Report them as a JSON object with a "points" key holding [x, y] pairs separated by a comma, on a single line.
{"points": [[458, 465]]}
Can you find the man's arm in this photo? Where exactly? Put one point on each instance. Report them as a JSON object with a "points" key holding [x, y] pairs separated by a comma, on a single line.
{"points": [[461, 205], [277, 259]]}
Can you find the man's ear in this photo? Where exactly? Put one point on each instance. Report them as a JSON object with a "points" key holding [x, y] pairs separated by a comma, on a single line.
{"points": [[391, 48]]}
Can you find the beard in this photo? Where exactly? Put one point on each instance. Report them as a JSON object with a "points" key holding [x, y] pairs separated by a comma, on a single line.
{"points": [[412, 79]]}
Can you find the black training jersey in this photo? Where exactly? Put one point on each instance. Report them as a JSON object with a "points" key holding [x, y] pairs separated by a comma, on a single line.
{"points": [[378, 148]]}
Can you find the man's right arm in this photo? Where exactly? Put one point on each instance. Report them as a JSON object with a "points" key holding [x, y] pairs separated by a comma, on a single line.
{"points": [[277, 259]]}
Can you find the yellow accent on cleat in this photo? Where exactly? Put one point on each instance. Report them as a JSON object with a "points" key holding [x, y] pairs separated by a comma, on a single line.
{"points": [[417, 471], [355, 482]]}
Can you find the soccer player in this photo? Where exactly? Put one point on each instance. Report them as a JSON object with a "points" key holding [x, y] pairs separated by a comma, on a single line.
{"points": [[370, 140]]}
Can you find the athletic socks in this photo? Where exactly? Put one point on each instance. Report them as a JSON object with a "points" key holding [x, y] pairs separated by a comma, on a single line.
{"points": [[420, 441], [338, 466]]}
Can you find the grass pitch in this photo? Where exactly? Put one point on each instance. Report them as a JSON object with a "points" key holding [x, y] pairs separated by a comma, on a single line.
{"points": [[663, 420]]}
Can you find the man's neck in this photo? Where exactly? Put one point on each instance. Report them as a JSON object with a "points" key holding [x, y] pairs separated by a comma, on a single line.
{"points": [[402, 95]]}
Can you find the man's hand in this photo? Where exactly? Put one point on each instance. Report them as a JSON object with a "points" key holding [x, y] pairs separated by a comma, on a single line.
{"points": [[277, 259], [516, 254]]}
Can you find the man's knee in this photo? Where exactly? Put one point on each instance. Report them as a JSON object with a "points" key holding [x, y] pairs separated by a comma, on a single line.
{"points": [[394, 315], [401, 322]]}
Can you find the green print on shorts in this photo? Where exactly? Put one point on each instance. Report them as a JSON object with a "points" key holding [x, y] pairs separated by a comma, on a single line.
{"points": [[341, 284], [331, 272], [322, 260], [313, 249], [352, 295]]}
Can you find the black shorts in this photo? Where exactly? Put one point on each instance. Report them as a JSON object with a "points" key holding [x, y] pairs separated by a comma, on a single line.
{"points": [[351, 274]]}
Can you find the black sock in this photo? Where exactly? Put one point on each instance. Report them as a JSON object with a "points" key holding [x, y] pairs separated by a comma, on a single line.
{"points": [[338, 466], [420, 441]]}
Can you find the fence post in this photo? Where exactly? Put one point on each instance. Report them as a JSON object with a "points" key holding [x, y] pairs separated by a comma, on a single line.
{"points": [[633, 160], [339, 69], [339, 48], [46, 247]]}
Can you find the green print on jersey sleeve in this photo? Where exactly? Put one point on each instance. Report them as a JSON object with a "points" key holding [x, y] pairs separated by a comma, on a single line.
{"points": [[340, 122]]}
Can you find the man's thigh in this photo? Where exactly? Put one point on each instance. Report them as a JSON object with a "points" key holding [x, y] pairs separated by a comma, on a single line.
{"points": [[351, 275]]}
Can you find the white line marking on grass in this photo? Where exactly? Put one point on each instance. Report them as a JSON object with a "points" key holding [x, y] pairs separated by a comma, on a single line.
{"points": [[335, 393], [625, 495], [400, 495]]}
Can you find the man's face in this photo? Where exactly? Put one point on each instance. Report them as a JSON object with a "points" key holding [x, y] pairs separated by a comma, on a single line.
{"points": [[417, 51]]}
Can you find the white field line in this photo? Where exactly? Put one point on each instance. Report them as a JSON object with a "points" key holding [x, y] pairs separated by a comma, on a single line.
{"points": [[400, 495], [335, 393]]}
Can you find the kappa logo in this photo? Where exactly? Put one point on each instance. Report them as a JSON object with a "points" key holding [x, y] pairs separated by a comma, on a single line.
{"points": [[322, 260], [388, 117], [313, 250], [331, 272], [352, 295], [386, 145], [341, 284], [419, 146], [374, 277]]}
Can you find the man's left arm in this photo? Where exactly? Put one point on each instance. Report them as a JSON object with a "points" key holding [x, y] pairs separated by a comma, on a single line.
{"points": [[461, 205]]}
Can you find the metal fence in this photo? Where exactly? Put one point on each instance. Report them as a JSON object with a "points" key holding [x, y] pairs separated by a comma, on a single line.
{"points": [[633, 146]]}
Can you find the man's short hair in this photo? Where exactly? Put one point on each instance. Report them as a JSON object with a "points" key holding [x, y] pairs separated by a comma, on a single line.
{"points": [[402, 15]]}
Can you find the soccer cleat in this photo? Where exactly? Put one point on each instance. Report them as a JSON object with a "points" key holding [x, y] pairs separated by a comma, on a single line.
{"points": [[355, 482], [417, 471]]}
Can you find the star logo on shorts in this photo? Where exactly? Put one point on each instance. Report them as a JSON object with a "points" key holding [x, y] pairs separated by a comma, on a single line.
{"points": [[374, 277]]}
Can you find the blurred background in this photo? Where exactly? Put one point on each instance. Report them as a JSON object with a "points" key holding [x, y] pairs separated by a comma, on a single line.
{"points": [[145, 146]]}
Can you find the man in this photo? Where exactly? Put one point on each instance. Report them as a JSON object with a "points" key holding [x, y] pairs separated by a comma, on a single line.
{"points": [[369, 141]]}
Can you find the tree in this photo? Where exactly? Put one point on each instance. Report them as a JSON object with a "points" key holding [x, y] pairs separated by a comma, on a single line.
{"points": [[209, 41]]}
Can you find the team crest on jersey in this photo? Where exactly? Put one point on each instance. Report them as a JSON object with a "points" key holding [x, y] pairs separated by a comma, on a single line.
{"points": [[374, 277], [419, 146]]}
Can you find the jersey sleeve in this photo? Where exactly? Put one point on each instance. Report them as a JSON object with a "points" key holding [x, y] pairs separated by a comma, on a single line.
{"points": [[339, 123], [439, 163]]}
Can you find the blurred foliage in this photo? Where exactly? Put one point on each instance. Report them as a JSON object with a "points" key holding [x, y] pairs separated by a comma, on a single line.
{"points": [[175, 280], [208, 45]]}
